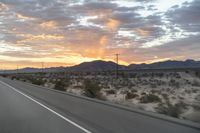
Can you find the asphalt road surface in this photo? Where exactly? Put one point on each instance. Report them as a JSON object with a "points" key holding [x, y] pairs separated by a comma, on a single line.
{"points": [[25, 108]]}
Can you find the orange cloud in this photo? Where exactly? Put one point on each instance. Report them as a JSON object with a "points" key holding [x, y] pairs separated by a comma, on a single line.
{"points": [[93, 48], [3, 7], [104, 40], [49, 25], [112, 24], [41, 37]]}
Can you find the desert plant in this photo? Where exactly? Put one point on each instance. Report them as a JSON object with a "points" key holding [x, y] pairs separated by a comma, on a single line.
{"points": [[174, 83], [133, 91], [143, 93], [165, 96], [130, 95], [36, 81], [196, 83], [171, 110], [92, 89], [111, 92], [13, 78], [59, 85], [4, 76], [197, 74], [150, 98]]}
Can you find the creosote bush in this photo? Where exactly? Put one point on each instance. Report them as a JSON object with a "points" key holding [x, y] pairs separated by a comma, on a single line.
{"points": [[92, 89], [149, 98], [130, 95], [37, 81], [170, 109], [111, 92], [60, 85]]}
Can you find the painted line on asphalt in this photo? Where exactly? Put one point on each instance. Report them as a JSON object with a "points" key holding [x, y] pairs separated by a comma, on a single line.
{"points": [[51, 110]]}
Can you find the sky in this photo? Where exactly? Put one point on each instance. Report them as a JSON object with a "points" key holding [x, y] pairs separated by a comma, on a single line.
{"points": [[68, 32]]}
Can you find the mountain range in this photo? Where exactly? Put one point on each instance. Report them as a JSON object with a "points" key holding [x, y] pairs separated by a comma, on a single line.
{"points": [[170, 64], [100, 65]]}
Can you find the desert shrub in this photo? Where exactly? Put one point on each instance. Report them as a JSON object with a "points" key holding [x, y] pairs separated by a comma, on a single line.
{"points": [[173, 83], [4, 76], [13, 77], [178, 76], [37, 81], [182, 105], [130, 95], [161, 75], [154, 91], [196, 107], [133, 90], [150, 98], [143, 93], [196, 83], [188, 91], [180, 97], [110, 92], [92, 89], [194, 90], [67, 82], [171, 110], [153, 85], [197, 74], [165, 96], [60, 85]]}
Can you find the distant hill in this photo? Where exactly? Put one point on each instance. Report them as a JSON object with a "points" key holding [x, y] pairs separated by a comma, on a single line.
{"points": [[100, 65], [35, 70], [97, 65], [170, 64]]}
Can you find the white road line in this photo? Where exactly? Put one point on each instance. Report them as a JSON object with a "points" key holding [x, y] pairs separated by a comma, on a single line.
{"points": [[61, 116]]}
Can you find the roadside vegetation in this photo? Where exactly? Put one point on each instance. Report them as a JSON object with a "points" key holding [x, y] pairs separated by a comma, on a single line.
{"points": [[170, 109], [162, 92], [60, 85], [149, 98], [92, 89]]}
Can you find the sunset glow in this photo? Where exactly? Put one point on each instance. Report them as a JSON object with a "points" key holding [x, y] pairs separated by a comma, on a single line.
{"points": [[65, 33]]}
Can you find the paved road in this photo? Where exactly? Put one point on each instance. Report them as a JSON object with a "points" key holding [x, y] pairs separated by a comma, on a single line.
{"points": [[25, 108]]}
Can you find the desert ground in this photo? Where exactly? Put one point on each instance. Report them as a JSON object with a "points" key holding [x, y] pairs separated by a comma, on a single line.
{"points": [[172, 93]]}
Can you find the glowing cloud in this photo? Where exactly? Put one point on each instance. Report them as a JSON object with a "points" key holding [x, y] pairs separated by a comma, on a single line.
{"points": [[42, 37], [3, 7], [24, 18], [49, 25], [112, 24]]}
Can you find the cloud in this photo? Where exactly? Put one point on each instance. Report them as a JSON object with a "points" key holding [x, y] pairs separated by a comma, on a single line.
{"points": [[187, 48], [73, 31], [49, 24], [187, 16], [113, 24]]}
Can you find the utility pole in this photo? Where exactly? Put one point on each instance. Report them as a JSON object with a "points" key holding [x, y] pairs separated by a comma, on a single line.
{"points": [[117, 65], [65, 73], [42, 67]]}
